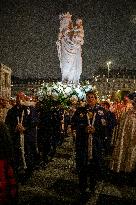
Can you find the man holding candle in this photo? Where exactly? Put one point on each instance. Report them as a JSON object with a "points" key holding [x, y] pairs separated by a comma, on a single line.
{"points": [[90, 124]]}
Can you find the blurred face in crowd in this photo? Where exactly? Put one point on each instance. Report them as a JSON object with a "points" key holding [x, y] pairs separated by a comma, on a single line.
{"points": [[26, 99], [91, 99], [20, 98], [106, 105]]}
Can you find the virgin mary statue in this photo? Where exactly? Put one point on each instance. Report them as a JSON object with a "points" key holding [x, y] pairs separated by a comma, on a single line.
{"points": [[70, 40]]}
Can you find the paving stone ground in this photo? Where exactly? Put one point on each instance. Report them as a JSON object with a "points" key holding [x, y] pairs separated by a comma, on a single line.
{"points": [[57, 184]]}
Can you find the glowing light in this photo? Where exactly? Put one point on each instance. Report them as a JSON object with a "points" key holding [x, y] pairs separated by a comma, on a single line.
{"points": [[109, 63]]}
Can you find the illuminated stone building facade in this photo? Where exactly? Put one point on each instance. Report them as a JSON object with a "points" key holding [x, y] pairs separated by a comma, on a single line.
{"points": [[5, 81]]}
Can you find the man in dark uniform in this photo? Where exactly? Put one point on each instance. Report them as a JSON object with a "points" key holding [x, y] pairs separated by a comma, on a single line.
{"points": [[30, 137], [22, 121], [45, 132], [15, 126], [90, 123], [57, 117], [49, 130]]}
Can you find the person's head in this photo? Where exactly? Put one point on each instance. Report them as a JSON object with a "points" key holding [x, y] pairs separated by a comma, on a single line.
{"points": [[27, 98], [91, 98], [79, 22], [106, 105], [35, 99], [81, 103], [20, 97], [132, 97]]}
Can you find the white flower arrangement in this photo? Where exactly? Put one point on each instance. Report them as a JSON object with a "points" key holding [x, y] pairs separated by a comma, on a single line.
{"points": [[63, 92]]}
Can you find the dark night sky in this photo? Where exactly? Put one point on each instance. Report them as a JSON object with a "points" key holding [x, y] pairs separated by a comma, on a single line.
{"points": [[29, 30]]}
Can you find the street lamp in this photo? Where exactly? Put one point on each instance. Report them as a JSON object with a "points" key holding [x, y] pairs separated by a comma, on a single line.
{"points": [[108, 65]]}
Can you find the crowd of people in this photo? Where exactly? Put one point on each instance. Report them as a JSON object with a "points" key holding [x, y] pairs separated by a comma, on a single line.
{"points": [[104, 137]]}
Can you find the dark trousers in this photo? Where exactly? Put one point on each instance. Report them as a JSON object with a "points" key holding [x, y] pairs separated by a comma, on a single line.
{"points": [[91, 171]]}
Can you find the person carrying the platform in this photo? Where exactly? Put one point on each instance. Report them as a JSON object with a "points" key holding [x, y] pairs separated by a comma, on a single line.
{"points": [[90, 124]]}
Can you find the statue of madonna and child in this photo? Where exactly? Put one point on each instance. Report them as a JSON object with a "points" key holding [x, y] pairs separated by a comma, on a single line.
{"points": [[69, 43]]}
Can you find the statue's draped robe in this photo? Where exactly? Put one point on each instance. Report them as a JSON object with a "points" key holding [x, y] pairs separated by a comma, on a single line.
{"points": [[70, 59], [124, 154]]}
